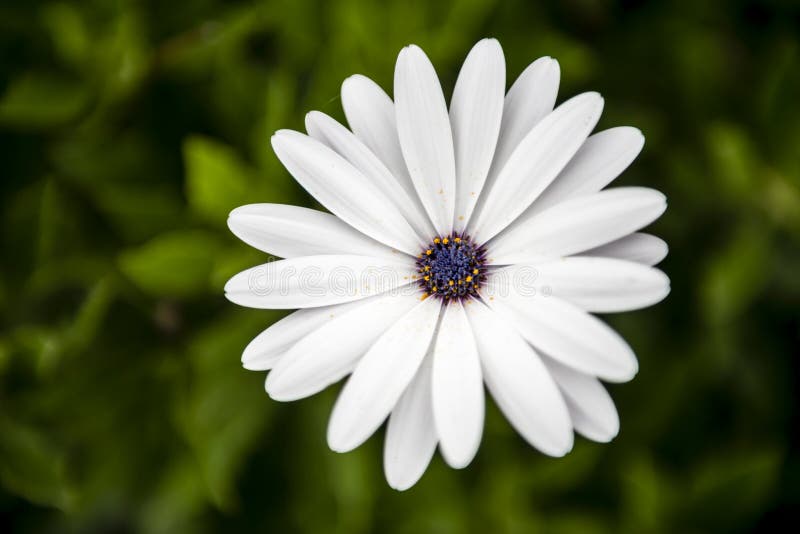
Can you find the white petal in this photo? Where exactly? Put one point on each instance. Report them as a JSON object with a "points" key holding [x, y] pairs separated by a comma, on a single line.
{"points": [[292, 231], [381, 377], [520, 383], [458, 403], [577, 224], [345, 191], [264, 351], [601, 285], [641, 248], [326, 130], [370, 114], [410, 434], [562, 330], [602, 158], [311, 281], [529, 100], [590, 406], [425, 136], [330, 352], [538, 159], [475, 113]]}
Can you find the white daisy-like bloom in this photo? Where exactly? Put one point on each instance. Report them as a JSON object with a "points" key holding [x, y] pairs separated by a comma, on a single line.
{"points": [[464, 246]]}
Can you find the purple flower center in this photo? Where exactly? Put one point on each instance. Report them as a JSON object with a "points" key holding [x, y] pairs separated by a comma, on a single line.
{"points": [[452, 267]]}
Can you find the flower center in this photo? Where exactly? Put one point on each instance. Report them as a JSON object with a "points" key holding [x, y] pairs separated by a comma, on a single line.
{"points": [[452, 267]]}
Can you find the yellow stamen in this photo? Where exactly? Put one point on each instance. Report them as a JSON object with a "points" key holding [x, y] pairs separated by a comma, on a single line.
{"points": [[457, 240], [435, 289], [437, 240], [469, 279], [427, 278], [474, 271], [428, 252], [451, 283], [445, 241]]}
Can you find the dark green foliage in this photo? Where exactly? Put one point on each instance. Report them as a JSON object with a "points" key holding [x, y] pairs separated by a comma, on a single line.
{"points": [[129, 129]]}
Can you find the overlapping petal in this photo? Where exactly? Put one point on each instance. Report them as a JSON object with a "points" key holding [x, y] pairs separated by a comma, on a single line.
{"points": [[371, 116], [591, 409], [562, 330], [577, 225], [334, 135], [264, 351], [292, 231], [597, 163], [344, 190], [535, 163], [311, 281], [411, 434], [458, 404], [520, 383], [530, 99], [601, 285], [330, 352], [476, 110], [381, 377], [639, 247], [426, 139]]}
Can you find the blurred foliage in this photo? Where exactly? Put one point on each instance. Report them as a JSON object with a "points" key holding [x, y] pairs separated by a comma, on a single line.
{"points": [[129, 129]]}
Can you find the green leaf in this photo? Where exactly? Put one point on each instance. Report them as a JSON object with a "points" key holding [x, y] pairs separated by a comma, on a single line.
{"points": [[30, 466], [176, 264], [733, 159], [736, 275], [226, 409], [41, 100], [216, 178], [68, 31], [646, 495], [730, 489], [90, 315]]}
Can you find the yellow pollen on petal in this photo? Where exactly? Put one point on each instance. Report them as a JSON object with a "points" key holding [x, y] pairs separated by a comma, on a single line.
{"points": [[425, 295]]}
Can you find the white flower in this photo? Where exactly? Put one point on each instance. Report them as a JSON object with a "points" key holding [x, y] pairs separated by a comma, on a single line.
{"points": [[463, 247]]}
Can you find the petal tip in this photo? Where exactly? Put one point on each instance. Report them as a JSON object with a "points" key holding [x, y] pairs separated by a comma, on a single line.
{"points": [[337, 442], [274, 387], [400, 483], [251, 365], [311, 117], [457, 460], [559, 450]]}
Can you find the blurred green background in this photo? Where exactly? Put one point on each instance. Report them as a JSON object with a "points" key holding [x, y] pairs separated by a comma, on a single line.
{"points": [[129, 129]]}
